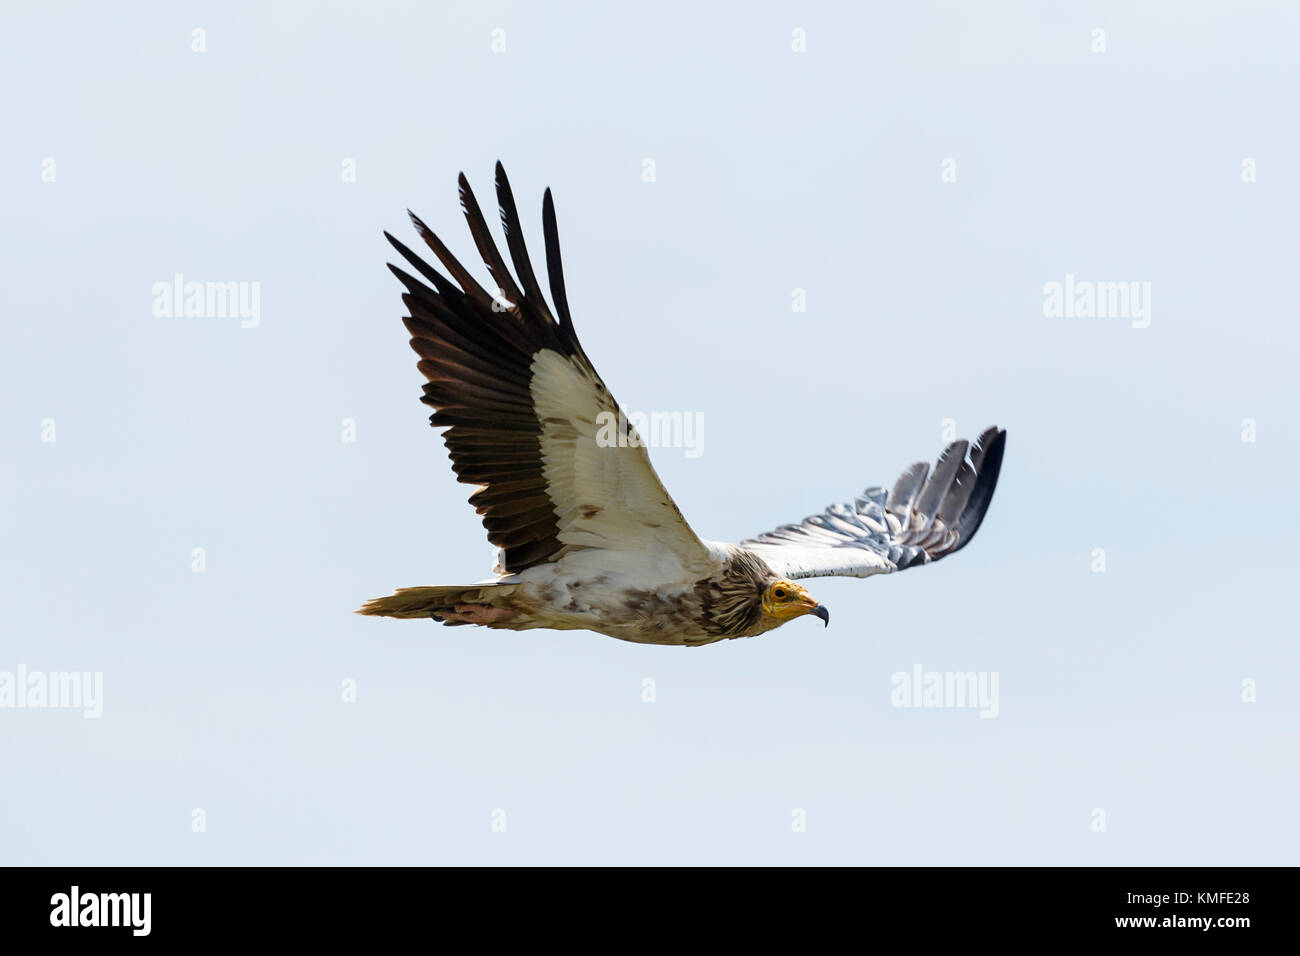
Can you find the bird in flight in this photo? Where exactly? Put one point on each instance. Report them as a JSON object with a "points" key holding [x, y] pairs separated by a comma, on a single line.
{"points": [[588, 538]]}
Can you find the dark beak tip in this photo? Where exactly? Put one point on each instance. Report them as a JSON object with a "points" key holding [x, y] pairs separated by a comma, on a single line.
{"points": [[825, 615]]}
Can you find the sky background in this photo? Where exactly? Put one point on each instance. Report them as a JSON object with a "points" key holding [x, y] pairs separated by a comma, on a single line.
{"points": [[1119, 691]]}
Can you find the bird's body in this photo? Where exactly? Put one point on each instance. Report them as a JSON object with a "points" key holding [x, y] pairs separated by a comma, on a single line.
{"points": [[710, 602], [589, 538]]}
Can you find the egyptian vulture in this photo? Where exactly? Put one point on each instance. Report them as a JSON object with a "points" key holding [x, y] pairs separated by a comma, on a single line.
{"points": [[587, 536]]}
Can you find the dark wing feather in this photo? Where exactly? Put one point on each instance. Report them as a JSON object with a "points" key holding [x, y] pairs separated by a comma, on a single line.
{"points": [[515, 243], [487, 248], [554, 267]]}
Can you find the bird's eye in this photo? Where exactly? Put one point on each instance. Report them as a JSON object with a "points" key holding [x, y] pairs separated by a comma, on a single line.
{"points": [[779, 594]]}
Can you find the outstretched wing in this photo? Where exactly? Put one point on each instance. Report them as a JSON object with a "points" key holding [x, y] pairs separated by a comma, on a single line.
{"points": [[927, 515], [523, 406]]}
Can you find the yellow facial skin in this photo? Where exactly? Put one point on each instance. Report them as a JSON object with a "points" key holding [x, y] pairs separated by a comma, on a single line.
{"points": [[785, 600]]}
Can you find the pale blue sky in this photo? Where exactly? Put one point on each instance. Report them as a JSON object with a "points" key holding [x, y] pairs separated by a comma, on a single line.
{"points": [[775, 171]]}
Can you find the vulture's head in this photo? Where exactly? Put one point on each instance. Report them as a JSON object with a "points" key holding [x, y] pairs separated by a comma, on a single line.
{"points": [[784, 600]]}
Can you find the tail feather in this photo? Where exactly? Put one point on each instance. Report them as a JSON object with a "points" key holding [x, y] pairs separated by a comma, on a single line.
{"points": [[428, 601]]}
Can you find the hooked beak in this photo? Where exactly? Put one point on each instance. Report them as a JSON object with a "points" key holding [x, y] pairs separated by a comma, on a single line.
{"points": [[804, 603]]}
